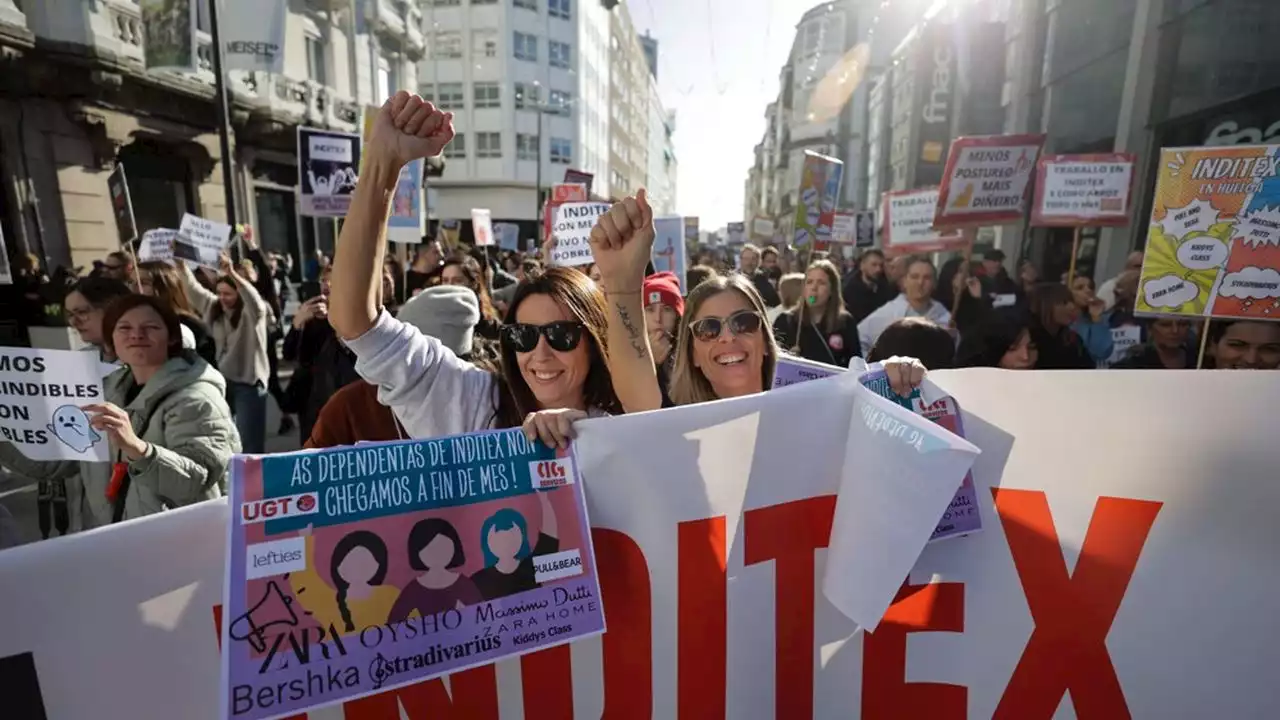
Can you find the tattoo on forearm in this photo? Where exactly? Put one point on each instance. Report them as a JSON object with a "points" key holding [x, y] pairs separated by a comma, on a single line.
{"points": [[634, 337]]}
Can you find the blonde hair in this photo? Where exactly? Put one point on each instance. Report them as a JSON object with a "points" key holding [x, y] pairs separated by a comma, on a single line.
{"points": [[790, 288], [688, 385]]}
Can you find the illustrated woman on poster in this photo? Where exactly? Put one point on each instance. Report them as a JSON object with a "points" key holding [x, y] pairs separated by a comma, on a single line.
{"points": [[508, 562], [357, 599], [436, 550]]}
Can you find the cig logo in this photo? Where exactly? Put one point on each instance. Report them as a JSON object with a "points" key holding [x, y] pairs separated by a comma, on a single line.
{"points": [[551, 473]]}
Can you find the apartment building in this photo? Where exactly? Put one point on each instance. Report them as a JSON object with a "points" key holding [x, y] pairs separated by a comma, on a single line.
{"points": [[628, 107]]}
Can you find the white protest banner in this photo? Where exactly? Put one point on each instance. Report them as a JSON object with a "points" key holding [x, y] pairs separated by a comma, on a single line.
{"points": [[1061, 607], [562, 193], [1083, 190], [908, 223], [508, 235], [157, 246], [864, 234], [669, 251], [252, 32], [201, 241], [481, 226], [985, 181], [41, 394], [843, 228], [572, 232], [762, 228], [328, 168], [1124, 340]]}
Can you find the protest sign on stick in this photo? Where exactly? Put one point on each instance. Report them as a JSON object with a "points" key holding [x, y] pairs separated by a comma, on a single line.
{"points": [[669, 253], [481, 226], [986, 179], [328, 168], [201, 241], [157, 246], [572, 232], [391, 563], [41, 396], [407, 221], [908, 224]]}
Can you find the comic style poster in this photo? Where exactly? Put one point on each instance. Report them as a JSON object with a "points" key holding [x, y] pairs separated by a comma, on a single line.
{"points": [[820, 180], [328, 165], [359, 569], [1213, 248]]}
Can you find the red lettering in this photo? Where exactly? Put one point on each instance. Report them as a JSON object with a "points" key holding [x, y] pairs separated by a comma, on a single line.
{"points": [[628, 644], [1073, 612], [268, 509], [937, 607], [788, 534], [701, 617], [546, 677]]}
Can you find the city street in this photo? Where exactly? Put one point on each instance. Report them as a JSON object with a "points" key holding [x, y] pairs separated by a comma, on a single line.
{"points": [[20, 499]]}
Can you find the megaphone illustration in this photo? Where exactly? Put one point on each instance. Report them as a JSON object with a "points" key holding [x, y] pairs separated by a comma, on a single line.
{"points": [[275, 608]]}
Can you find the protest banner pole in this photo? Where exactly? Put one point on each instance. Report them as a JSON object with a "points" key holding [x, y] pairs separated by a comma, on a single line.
{"points": [[137, 274], [1075, 250], [1204, 343], [223, 115]]}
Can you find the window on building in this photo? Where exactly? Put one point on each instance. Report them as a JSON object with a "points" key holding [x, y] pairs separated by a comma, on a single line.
{"points": [[448, 44], [486, 95], [457, 148], [447, 3], [526, 47], [385, 86], [488, 145], [559, 8], [561, 151], [527, 95], [316, 59], [526, 4], [561, 100], [526, 146], [618, 182], [559, 54], [448, 96], [484, 43]]}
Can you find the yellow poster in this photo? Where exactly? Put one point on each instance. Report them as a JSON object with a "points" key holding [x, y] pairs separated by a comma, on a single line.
{"points": [[1213, 247]]}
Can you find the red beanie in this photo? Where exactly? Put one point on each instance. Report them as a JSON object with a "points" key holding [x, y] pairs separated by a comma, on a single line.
{"points": [[664, 287]]}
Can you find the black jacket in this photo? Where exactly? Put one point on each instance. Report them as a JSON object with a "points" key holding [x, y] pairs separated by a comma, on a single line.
{"points": [[836, 348], [860, 299]]}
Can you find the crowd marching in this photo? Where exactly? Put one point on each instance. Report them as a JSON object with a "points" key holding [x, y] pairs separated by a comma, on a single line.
{"points": [[468, 339]]}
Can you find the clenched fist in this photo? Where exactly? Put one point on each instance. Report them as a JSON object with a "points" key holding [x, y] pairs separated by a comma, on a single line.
{"points": [[622, 241], [408, 128]]}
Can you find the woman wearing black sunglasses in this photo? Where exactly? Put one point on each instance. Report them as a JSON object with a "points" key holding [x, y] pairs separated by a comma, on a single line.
{"points": [[553, 354]]}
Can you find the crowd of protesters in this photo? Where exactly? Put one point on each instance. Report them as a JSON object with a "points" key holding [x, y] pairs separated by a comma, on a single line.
{"points": [[466, 339]]}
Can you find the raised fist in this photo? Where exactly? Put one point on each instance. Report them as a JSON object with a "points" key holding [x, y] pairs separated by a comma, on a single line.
{"points": [[408, 128], [622, 241]]}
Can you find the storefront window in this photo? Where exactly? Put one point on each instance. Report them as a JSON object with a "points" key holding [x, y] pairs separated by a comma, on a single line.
{"points": [[1224, 50]]}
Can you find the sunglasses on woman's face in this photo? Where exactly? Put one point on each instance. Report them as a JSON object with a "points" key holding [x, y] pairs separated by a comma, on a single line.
{"points": [[743, 322], [562, 336]]}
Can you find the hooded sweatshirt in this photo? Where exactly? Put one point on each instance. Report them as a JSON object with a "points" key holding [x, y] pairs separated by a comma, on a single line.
{"points": [[192, 438]]}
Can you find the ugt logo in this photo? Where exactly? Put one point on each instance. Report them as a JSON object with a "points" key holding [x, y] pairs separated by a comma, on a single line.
{"points": [[551, 473], [257, 511]]}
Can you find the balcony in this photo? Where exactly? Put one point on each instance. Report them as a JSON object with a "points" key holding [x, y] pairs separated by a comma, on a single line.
{"points": [[299, 101]]}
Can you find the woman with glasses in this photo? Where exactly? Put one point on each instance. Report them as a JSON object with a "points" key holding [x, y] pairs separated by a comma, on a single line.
{"points": [[553, 351]]}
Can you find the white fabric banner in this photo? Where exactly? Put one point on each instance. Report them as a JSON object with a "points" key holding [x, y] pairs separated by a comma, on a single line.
{"points": [[253, 31], [1119, 576]]}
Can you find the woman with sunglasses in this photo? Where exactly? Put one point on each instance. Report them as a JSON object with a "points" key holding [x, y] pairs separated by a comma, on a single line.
{"points": [[553, 354]]}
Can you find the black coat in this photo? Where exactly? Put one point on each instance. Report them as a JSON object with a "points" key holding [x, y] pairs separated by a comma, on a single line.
{"points": [[836, 348]]}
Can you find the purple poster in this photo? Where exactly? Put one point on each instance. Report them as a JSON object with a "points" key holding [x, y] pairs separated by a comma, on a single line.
{"points": [[359, 569], [791, 370]]}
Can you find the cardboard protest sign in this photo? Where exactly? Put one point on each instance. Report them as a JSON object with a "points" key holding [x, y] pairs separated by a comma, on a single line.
{"points": [[572, 232], [328, 166], [908, 224], [201, 241], [1083, 190], [407, 222], [508, 235], [41, 395], [843, 228], [391, 563], [481, 226], [820, 178], [561, 194], [985, 181], [122, 205], [710, 556], [791, 369], [1214, 242], [669, 249], [157, 246]]}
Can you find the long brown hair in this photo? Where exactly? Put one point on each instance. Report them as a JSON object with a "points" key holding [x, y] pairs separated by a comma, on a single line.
{"points": [[1047, 296], [584, 301], [474, 274], [831, 314], [688, 384], [216, 311], [167, 286]]}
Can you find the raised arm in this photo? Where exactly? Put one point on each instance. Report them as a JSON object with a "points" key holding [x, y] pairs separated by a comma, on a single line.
{"points": [[621, 243], [200, 296], [254, 305], [406, 128]]}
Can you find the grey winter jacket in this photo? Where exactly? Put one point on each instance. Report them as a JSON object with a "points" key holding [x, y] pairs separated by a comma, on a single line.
{"points": [[192, 439]]}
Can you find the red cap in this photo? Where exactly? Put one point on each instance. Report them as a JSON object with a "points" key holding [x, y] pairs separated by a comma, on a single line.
{"points": [[664, 287]]}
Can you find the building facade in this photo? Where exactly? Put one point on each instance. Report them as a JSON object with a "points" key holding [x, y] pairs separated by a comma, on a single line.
{"points": [[661, 169], [628, 107], [75, 100]]}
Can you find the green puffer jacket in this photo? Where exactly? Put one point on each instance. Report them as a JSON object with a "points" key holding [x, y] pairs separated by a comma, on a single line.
{"points": [[192, 440]]}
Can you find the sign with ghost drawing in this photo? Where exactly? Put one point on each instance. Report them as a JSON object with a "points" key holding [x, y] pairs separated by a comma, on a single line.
{"points": [[42, 396]]}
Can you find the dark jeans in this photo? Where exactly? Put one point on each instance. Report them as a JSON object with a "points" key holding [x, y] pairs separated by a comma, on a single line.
{"points": [[249, 405]]}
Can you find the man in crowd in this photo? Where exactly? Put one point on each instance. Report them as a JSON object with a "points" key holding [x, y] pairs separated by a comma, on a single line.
{"points": [[866, 288], [996, 280], [916, 300], [750, 265], [1107, 292]]}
